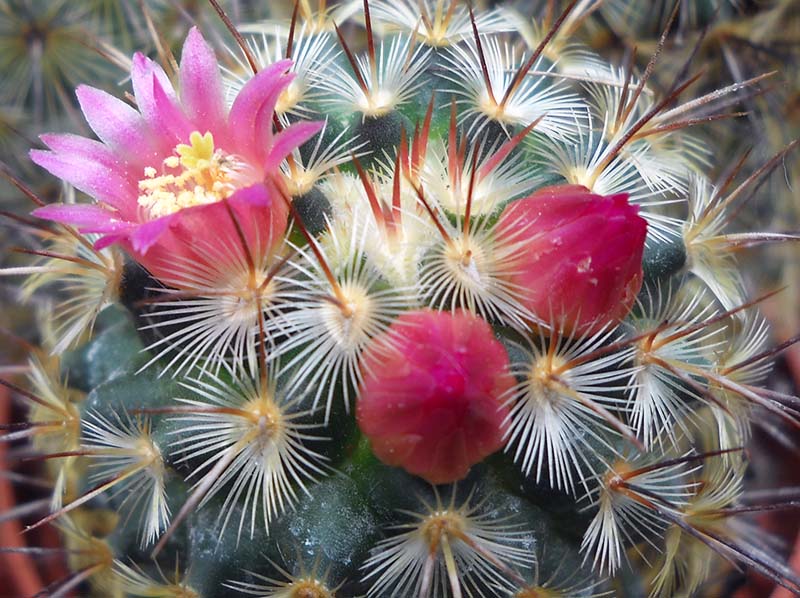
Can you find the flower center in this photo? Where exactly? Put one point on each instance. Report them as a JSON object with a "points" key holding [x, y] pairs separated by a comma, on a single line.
{"points": [[195, 175], [439, 524], [347, 322], [265, 425], [466, 263], [308, 588], [377, 102], [543, 385]]}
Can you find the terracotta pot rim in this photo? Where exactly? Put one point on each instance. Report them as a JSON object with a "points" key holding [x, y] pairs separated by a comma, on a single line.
{"points": [[793, 364], [18, 570]]}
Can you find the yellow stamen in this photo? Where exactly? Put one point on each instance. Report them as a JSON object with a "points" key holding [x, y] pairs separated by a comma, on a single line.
{"points": [[204, 176], [199, 154]]}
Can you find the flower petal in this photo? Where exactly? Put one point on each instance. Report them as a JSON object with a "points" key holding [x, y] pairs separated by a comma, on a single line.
{"points": [[76, 214], [249, 135], [168, 117], [117, 124], [148, 233], [254, 195], [288, 139], [108, 240], [142, 74], [91, 177], [265, 118], [90, 150], [201, 85]]}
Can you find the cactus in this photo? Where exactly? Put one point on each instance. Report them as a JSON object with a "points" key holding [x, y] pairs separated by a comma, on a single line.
{"points": [[397, 311]]}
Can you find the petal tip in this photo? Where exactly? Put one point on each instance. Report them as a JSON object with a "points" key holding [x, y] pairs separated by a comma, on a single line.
{"points": [[195, 42], [39, 156]]}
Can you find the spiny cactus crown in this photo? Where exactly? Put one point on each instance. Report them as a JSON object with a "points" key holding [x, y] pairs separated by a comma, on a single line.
{"points": [[455, 315]]}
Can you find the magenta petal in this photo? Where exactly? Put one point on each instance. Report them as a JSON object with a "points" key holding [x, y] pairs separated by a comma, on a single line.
{"points": [[111, 227], [157, 107], [168, 117], [142, 75], [76, 214], [148, 233], [94, 178], [90, 149], [107, 241], [116, 123], [254, 195], [265, 117], [201, 84], [288, 139], [88, 219], [257, 97]]}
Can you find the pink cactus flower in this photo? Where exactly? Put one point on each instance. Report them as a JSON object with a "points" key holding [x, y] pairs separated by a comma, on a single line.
{"points": [[174, 179], [581, 266], [431, 400]]}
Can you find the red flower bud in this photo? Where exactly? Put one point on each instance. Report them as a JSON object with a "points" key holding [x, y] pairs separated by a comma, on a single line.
{"points": [[581, 262], [431, 400]]}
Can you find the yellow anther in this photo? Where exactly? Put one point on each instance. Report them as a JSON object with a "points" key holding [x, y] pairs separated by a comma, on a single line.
{"points": [[206, 176], [199, 154]]}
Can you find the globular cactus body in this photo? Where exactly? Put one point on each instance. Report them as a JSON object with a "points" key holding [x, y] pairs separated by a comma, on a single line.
{"points": [[442, 318]]}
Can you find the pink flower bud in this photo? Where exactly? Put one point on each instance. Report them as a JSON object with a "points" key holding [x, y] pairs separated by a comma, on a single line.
{"points": [[431, 400], [581, 258]]}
